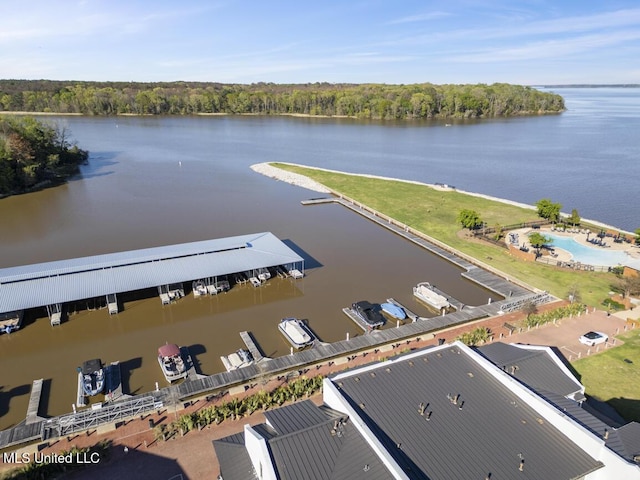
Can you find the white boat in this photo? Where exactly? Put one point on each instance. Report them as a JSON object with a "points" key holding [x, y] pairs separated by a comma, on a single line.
{"points": [[199, 288], [171, 362], [10, 321], [92, 377], [295, 273], [296, 332], [424, 291], [238, 359], [264, 274]]}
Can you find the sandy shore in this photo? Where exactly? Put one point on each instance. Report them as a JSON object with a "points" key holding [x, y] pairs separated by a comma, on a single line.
{"points": [[289, 177], [284, 176]]}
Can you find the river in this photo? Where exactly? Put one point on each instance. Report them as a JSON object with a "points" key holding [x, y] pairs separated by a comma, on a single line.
{"points": [[161, 180]]}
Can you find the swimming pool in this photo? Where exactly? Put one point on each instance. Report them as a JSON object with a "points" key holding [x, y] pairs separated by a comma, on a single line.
{"points": [[593, 255]]}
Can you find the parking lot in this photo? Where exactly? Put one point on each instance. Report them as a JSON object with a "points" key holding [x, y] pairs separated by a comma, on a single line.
{"points": [[565, 333]]}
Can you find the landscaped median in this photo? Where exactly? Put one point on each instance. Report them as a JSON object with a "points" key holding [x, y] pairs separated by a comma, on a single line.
{"points": [[434, 211]]}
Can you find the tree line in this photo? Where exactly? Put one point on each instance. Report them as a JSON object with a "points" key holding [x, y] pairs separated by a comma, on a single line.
{"points": [[367, 101], [33, 154]]}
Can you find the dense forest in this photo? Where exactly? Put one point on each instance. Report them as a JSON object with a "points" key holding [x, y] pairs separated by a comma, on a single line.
{"points": [[33, 154], [375, 101]]}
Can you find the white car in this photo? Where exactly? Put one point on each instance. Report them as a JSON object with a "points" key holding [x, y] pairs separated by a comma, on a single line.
{"points": [[594, 338]]}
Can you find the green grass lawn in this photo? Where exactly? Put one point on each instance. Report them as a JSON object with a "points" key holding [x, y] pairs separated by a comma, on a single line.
{"points": [[612, 376], [435, 212], [606, 375]]}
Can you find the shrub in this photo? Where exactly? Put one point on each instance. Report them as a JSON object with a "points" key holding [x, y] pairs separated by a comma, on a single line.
{"points": [[555, 314], [612, 304]]}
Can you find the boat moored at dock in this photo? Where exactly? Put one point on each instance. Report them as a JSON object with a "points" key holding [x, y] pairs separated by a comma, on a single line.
{"points": [[238, 359], [393, 310], [296, 332], [10, 321], [369, 313], [92, 375], [425, 292], [171, 362]]}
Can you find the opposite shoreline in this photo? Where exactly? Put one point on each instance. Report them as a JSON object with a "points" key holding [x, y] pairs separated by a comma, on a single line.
{"points": [[269, 170]]}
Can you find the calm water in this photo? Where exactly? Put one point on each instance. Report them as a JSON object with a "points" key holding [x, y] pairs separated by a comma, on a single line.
{"points": [[158, 181]]}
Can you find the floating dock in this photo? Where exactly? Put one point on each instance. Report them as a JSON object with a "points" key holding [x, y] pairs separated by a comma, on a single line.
{"points": [[251, 346], [113, 383], [357, 320], [82, 400], [414, 317], [34, 402], [191, 368]]}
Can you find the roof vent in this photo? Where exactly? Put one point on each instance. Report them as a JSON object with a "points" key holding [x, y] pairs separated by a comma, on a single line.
{"points": [[373, 374], [606, 434], [366, 467]]}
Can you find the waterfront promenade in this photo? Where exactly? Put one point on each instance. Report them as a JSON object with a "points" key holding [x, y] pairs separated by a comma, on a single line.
{"points": [[193, 456]]}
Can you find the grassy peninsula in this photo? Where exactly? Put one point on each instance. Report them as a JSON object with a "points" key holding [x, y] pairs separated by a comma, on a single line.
{"points": [[434, 212]]}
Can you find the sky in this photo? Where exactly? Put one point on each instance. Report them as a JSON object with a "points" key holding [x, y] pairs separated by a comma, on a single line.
{"points": [[535, 42]]}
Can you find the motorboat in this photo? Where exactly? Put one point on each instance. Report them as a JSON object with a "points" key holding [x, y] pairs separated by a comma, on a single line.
{"points": [[199, 288], [171, 362], [425, 292], [296, 332], [92, 373], [11, 321], [369, 313], [238, 359], [393, 310]]}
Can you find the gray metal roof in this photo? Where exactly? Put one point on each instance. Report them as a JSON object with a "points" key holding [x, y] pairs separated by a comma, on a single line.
{"points": [[624, 440], [43, 284], [533, 367], [311, 443], [233, 458], [486, 435]]}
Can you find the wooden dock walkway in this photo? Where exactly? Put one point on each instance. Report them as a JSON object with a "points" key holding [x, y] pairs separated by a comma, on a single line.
{"points": [[252, 346], [192, 374], [414, 317], [357, 320], [113, 383], [34, 402]]}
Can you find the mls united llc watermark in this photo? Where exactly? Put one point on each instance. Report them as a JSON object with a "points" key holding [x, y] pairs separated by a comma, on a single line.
{"points": [[78, 458]]}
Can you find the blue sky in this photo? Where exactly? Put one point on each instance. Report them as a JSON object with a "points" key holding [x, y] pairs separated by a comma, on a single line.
{"points": [[484, 41]]}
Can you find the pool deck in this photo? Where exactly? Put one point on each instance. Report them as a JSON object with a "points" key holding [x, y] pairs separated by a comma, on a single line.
{"points": [[579, 236]]}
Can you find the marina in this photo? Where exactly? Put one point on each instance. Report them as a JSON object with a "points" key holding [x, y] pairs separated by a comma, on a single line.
{"points": [[165, 268]]}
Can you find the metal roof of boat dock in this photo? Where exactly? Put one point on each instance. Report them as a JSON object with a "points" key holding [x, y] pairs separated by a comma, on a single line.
{"points": [[60, 281]]}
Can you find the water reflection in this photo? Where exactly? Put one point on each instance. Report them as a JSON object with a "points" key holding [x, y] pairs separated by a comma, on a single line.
{"points": [[128, 200]]}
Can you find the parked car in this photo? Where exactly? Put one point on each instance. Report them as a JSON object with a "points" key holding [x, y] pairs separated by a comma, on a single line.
{"points": [[594, 338]]}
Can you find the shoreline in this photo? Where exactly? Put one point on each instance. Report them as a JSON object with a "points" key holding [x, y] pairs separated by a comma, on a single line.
{"points": [[282, 175]]}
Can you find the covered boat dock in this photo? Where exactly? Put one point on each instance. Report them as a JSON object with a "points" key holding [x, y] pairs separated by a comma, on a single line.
{"points": [[51, 284]]}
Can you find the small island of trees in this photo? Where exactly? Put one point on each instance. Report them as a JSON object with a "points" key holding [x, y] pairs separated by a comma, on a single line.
{"points": [[367, 101], [34, 155]]}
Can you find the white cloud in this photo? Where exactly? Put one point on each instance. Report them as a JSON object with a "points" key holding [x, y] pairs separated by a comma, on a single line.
{"points": [[421, 17]]}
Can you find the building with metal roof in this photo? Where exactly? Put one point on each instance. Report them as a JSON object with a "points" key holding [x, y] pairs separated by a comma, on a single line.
{"points": [[49, 283], [537, 367], [448, 412], [300, 441]]}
